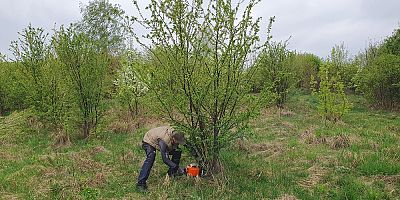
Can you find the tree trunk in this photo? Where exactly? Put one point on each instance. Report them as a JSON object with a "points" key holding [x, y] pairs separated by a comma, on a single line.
{"points": [[86, 129]]}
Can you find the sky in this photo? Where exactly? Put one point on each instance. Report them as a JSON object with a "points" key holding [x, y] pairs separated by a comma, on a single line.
{"points": [[313, 26]]}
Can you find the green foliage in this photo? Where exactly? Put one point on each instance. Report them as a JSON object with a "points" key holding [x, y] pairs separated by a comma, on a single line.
{"points": [[379, 81], [12, 94], [332, 100], [343, 65], [391, 44], [275, 70], [38, 74], [378, 75], [199, 57], [103, 22], [305, 66], [131, 82], [85, 69]]}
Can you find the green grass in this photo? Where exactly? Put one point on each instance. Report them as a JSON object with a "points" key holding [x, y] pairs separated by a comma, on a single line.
{"points": [[289, 156]]}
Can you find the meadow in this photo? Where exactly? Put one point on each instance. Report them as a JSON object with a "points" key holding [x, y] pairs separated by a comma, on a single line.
{"points": [[290, 155]]}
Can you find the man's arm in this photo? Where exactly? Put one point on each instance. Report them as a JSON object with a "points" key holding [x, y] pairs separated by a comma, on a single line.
{"points": [[164, 154]]}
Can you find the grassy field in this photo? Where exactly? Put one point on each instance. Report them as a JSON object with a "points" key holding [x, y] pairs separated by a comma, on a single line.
{"points": [[291, 155]]}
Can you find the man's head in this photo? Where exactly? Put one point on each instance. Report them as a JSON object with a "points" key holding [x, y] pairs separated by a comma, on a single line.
{"points": [[178, 137]]}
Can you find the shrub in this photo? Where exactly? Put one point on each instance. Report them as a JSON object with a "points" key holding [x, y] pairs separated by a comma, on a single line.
{"points": [[379, 74], [275, 65], [85, 69], [380, 81], [131, 83], [37, 74], [199, 70], [332, 100], [305, 66]]}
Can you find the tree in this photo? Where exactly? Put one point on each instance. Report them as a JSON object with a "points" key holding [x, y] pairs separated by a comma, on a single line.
{"points": [[306, 66], [200, 56], [332, 100], [391, 44], [103, 22], [38, 73], [379, 72], [31, 53], [131, 82], [379, 81], [85, 69], [343, 65], [275, 65]]}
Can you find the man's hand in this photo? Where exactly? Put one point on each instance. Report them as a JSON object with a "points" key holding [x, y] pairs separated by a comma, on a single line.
{"points": [[181, 171]]}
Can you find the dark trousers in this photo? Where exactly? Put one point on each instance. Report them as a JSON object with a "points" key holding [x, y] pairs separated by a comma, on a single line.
{"points": [[148, 163]]}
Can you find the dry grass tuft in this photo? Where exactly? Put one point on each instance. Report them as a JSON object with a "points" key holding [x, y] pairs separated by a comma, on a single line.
{"points": [[286, 113], [287, 197], [61, 139], [316, 173], [339, 142], [98, 149], [7, 156], [308, 137], [34, 122], [85, 164], [289, 125], [127, 158], [268, 149], [121, 127], [98, 181], [9, 196]]}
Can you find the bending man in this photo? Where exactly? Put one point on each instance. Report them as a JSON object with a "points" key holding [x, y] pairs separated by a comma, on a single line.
{"points": [[166, 140]]}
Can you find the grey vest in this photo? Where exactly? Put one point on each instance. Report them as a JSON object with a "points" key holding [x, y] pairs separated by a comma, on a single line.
{"points": [[164, 133]]}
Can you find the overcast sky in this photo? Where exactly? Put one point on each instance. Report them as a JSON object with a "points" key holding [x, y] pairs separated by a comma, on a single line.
{"points": [[314, 26]]}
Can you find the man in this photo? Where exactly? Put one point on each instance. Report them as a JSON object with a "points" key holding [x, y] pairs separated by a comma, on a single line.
{"points": [[166, 140]]}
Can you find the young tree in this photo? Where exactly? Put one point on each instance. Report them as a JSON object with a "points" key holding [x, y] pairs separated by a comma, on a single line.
{"points": [[103, 22], [343, 65], [85, 69], [131, 82], [31, 53], [332, 100], [39, 73], [379, 72], [275, 65], [200, 56], [305, 66]]}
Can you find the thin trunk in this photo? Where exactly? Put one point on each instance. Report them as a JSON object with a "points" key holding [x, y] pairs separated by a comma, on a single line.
{"points": [[86, 129]]}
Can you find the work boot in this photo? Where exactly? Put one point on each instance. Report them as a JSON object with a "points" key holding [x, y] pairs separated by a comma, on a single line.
{"points": [[141, 188]]}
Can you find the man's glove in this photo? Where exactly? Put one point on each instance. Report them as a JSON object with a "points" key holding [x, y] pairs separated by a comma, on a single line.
{"points": [[181, 171]]}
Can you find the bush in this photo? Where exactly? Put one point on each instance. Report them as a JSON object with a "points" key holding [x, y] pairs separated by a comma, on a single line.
{"points": [[275, 72], [131, 82], [12, 95], [199, 74], [379, 74], [85, 69], [306, 66], [380, 81], [37, 74], [332, 100]]}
